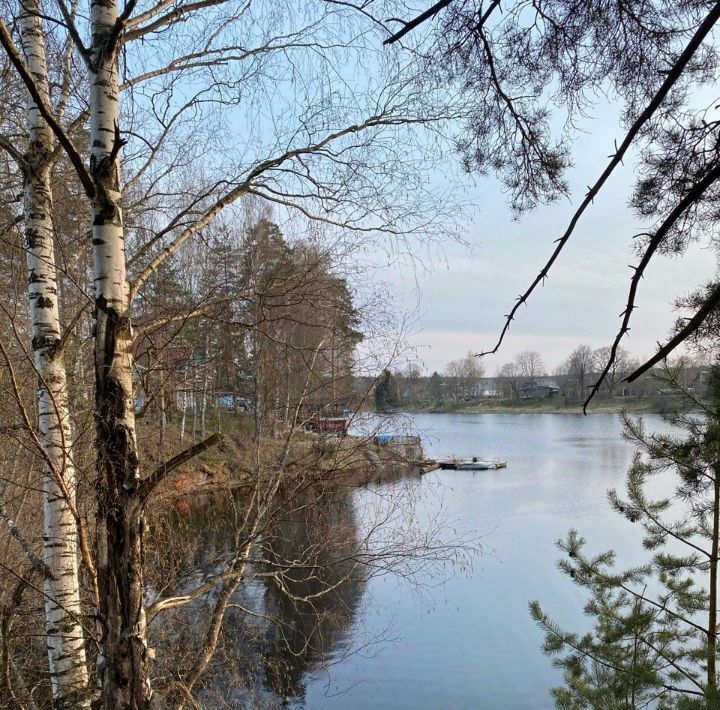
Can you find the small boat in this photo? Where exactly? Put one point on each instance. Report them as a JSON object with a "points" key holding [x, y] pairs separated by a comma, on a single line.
{"points": [[473, 464]]}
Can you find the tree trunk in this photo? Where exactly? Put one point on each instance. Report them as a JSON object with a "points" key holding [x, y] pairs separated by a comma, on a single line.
{"points": [[65, 637], [124, 664], [712, 690], [163, 409], [203, 401], [195, 412], [184, 406]]}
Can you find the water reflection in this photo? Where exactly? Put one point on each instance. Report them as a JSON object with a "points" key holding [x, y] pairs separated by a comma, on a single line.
{"points": [[292, 614], [475, 644], [315, 603]]}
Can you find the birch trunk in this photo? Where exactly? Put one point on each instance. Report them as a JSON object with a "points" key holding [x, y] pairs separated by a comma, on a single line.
{"points": [[124, 663], [203, 404], [194, 405], [65, 638], [163, 413]]}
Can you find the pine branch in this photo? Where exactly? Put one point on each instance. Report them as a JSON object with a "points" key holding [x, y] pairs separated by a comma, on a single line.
{"points": [[693, 196], [711, 302], [671, 79]]}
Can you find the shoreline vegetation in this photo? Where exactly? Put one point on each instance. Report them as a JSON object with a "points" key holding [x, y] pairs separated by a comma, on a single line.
{"points": [[522, 387], [349, 461], [633, 405]]}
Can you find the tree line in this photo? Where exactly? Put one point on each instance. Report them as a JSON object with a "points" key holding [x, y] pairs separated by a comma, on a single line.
{"points": [[527, 377]]}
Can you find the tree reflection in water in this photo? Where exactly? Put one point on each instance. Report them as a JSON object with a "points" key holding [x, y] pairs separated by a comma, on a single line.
{"points": [[295, 609], [315, 603], [292, 615]]}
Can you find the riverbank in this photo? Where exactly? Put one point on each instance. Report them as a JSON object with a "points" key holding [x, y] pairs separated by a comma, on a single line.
{"points": [[348, 461], [633, 405]]}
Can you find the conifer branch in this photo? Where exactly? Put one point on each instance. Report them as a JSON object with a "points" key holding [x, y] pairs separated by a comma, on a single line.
{"points": [[671, 79]]}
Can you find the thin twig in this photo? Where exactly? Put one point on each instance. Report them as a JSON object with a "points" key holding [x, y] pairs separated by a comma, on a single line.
{"points": [[671, 79]]}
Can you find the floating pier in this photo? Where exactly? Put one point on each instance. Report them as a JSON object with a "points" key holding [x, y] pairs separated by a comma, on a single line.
{"points": [[471, 464]]}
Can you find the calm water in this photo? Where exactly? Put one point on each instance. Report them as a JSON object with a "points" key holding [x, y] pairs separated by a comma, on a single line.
{"points": [[471, 643]]}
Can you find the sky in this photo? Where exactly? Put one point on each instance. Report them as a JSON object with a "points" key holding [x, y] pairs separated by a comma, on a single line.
{"points": [[458, 295]]}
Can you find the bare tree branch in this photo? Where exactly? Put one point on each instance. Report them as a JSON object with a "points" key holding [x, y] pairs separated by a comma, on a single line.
{"points": [[246, 185], [671, 79], [172, 16], [38, 564], [412, 24], [73, 155], [149, 484], [73, 31]]}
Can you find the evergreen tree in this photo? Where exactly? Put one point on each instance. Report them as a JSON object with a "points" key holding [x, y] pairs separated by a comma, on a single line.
{"points": [[654, 635], [436, 387], [386, 392]]}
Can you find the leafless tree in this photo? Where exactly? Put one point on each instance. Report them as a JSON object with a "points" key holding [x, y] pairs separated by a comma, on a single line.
{"points": [[622, 366], [578, 366], [465, 374], [531, 366], [160, 113], [511, 375]]}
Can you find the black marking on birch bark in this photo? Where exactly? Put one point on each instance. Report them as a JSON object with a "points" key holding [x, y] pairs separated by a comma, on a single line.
{"points": [[31, 237], [107, 211], [44, 302]]}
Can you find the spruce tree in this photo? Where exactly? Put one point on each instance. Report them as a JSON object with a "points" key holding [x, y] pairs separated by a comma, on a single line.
{"points": [[386, 392], [436, 385], [653, 640]]}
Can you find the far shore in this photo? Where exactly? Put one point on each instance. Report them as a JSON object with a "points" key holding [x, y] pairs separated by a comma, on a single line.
{"points": [[634, 405]]}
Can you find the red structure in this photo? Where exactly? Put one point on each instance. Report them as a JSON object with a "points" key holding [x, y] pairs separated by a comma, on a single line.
{"points": [[328, 425]]}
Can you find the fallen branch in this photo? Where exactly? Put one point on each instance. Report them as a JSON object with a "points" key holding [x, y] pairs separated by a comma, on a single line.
{"points": [[148, 485]]}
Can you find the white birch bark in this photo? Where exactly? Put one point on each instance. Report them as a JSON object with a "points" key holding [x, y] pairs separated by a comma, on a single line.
{"points": [[195, 409], [184, 406], [64, 633], [203, 403], [163, 413], [124, 663]]}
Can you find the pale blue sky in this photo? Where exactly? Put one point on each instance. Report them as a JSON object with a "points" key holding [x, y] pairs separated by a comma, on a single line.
{"points": [[461, 300]]}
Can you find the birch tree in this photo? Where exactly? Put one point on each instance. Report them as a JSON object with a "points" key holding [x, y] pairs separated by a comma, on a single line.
{"points": [[65, 635], [179, 64]]}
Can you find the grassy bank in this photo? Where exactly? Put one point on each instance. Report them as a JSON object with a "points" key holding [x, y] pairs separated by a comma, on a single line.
{"points": [[231, 463], [545, 406]]}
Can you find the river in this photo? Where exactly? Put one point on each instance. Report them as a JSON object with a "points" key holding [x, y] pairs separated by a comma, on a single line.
{"points": [[435, 637], [471, 643]]}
